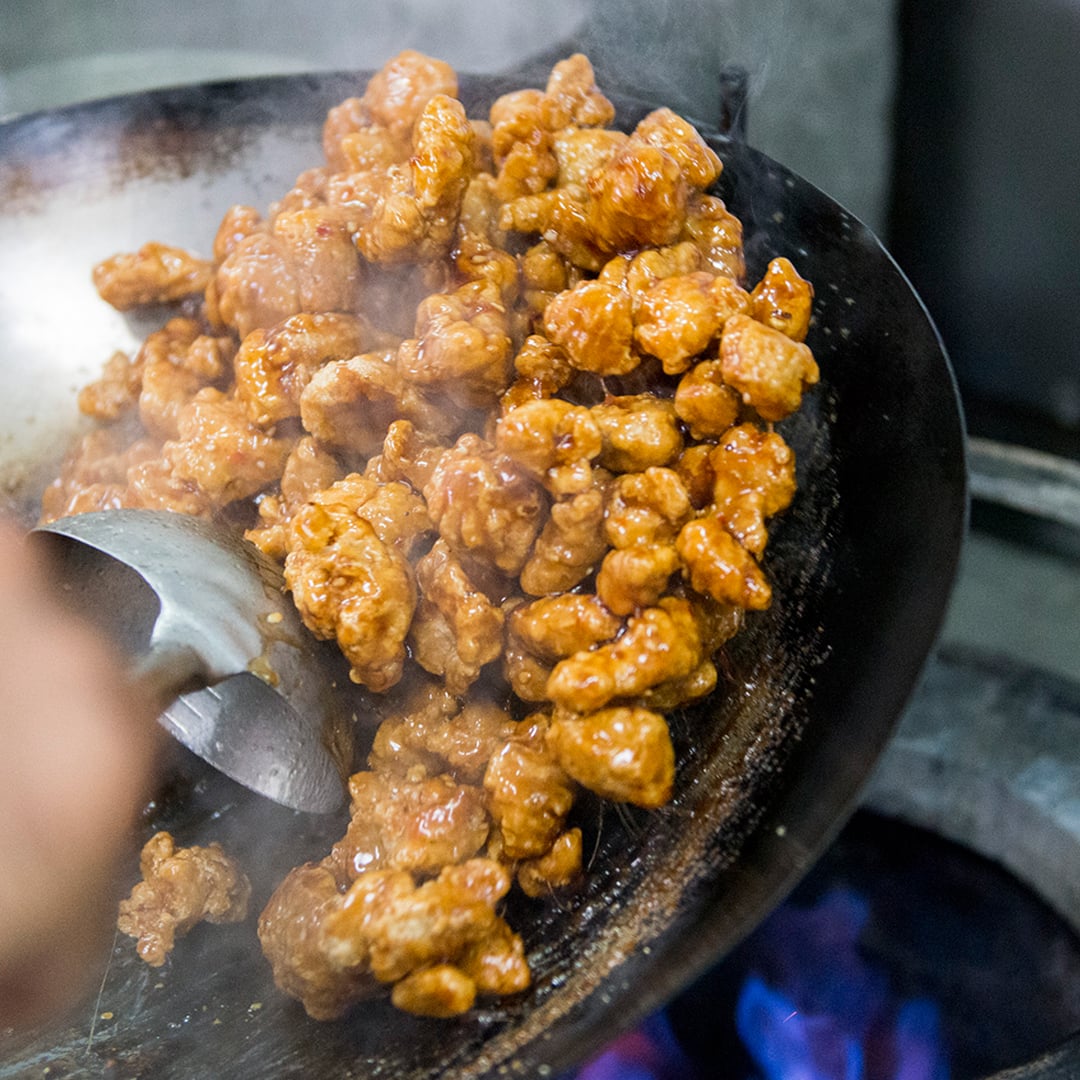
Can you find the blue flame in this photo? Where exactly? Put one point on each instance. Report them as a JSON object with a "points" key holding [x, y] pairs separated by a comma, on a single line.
{"points": [[816, 1010]]}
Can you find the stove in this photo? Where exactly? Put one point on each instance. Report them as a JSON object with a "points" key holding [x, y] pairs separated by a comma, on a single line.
{"points": [[971, 824]]}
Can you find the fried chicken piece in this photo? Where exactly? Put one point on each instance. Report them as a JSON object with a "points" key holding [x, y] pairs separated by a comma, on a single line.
{"points": [[704, 402], [395, 929], [398, 93], [553, 441], [409, 822], [350, 403], [456, 629], [524, 123], [560, 625], [174, 364], [638, 199], [717, 234], [671, 133], [767, 368], [753, 478], [238, 222], [530, 794], [569, 546], [637, 272], [321, 257], [414, 212], [480, 252], [522, 144], [695, 471], [221, 452], [594, 323], [181, 887], [484, 506], [94, 473], [623, 754], [561, 216], [783, 300], [719, 566], [304, 260], [462, 345], [544, 273], [155, 274], [635, 577], [309, 468], [115, 392], [154, 485], [291, 936], [579, 152], [254, 286], [542, 368], [646, 508], [679, 316], [274, 366], [349, 584], [661, 643], [572, 88], [640, 431], [407, 454], [436, 731], [558, 868]]}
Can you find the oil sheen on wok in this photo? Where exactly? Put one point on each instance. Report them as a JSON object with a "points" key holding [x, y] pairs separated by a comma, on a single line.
{"points": [[497, 394]]}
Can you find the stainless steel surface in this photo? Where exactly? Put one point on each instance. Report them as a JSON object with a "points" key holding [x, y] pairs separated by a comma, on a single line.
{"points": [[1040, 484], [988, 754], [269, 715]]}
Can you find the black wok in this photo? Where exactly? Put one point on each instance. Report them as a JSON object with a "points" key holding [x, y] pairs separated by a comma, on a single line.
{"points": [[862, 566]]}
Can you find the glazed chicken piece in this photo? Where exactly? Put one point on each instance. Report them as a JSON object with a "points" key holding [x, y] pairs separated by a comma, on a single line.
{"points": [[639, 431], [753, 475], [485, 507], [350, 585], [462, 346], [530, 794], [783, 300], [411, 214], [155, 274], [181, 887], [309, 469], [274, 366], [765, 366], [552, 440], [660, 644], [409, 822], [441, 942], [456, 629], [435, 730], [525, 123], [392, 102], [569, 547], [622, 754], [291, 929], [220, 452], [719, 566], [304, 260]]}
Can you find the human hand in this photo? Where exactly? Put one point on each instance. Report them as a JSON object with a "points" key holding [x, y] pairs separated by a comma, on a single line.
{"points": [[75, 766]]}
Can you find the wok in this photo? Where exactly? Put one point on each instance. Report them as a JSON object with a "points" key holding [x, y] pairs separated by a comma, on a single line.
{"points": [[862, 566]]}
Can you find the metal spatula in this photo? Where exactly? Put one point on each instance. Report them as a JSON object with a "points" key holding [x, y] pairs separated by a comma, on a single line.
{"points": [[211, 632]]}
